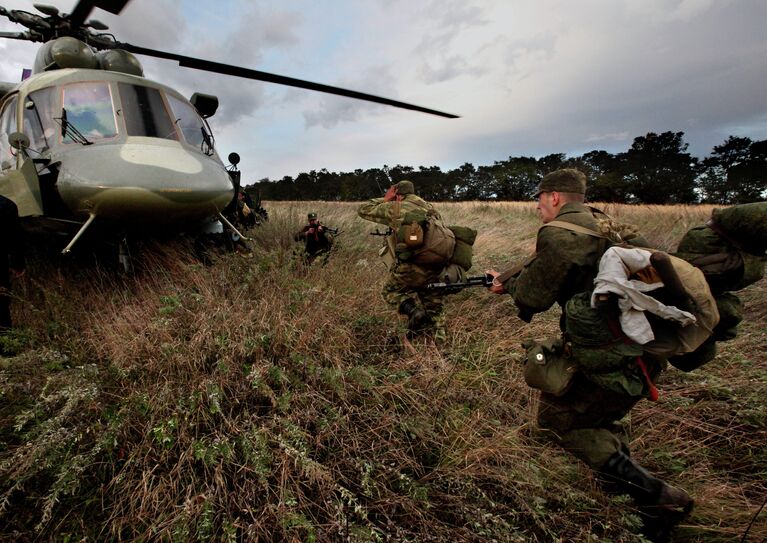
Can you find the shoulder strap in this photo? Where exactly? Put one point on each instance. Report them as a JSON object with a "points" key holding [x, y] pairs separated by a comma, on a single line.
{"points": [[397, 211], [574, 228], [505, 276]]}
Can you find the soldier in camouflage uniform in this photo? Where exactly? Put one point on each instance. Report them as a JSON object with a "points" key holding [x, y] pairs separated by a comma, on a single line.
{"points": [[584, 420], [402, 289], [317, 238], [730, 251]]}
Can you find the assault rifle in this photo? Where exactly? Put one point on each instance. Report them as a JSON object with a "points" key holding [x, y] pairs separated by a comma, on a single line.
{"points": [[451, 288]]}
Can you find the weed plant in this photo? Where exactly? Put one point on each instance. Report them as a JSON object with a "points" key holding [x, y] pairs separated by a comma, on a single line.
{"points": [[258, 399]]}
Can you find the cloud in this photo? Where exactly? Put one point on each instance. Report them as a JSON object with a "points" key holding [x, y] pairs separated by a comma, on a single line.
{"points": [[526, 77], [611, 137]]}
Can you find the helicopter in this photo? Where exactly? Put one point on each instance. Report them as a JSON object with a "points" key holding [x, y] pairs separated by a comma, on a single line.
{"points": [[87, 142]]}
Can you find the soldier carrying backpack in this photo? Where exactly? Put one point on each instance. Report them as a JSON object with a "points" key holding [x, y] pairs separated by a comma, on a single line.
{"points": [[417, 249], [730, 251], [583, 399]]}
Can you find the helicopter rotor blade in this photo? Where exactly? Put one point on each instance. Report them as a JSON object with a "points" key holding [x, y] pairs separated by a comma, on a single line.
{"points": [[84, 7], [247, 73]]}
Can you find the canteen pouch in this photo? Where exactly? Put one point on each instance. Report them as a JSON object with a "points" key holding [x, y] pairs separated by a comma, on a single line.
{"points": [[549, 366], [412, 235]]}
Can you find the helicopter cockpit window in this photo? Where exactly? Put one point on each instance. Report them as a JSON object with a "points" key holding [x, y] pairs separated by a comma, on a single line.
{"points": [[145, 113], [188, 121], [7, 127], [89, 109], [39, 112]]}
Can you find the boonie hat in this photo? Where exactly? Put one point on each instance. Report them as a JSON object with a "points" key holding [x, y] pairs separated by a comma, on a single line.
{"points": [[312, 215], [565, 180]]}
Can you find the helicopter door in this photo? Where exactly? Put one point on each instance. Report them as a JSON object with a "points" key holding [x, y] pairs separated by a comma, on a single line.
{"points": [[23, 187], [19, 184], [40, 108], [38, 121]]}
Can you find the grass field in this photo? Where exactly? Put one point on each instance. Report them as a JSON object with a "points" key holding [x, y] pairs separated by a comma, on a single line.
{"points": [[257, 400]]}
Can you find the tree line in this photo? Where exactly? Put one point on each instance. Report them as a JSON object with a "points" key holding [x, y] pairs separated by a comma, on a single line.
{"points": [[656, 169]]}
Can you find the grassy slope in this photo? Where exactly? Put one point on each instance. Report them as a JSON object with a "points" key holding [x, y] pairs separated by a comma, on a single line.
{"points": [[251, 400]]}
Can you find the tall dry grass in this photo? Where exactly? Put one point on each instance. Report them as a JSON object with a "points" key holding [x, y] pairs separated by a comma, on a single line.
{"points": [[257, 399]]}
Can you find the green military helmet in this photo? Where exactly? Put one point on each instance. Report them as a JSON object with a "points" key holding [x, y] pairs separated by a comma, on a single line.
{"points": [[565, 180], [405, 187], [312, 215]]}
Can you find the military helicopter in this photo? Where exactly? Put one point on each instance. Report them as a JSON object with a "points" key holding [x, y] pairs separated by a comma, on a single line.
{"points": [[88, 143]]}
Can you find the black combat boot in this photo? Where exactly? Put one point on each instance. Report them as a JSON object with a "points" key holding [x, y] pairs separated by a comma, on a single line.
{"points": [[661, 505], [416, 317]]}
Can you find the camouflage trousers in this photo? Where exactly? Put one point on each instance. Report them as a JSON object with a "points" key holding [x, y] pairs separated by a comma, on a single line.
{"points": [[400, 287], [585, 421]]}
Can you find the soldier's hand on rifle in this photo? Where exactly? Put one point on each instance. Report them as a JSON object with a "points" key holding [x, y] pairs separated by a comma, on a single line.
{"points": [[310, 231], [497, 287], [391, 194], [320, 229]]}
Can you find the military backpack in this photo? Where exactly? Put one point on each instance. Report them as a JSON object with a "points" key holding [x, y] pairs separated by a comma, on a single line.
{"points": [[422, 238], [599, 350]]}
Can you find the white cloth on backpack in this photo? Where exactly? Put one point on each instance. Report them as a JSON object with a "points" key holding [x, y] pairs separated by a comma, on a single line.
{"points": [[615, 268]]}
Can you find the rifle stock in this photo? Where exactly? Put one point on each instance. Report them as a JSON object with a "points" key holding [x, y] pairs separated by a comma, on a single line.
{"points": [[511, 272]]}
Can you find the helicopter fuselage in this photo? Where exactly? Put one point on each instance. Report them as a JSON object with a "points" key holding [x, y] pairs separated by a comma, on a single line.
{"points": [[109, 145]]}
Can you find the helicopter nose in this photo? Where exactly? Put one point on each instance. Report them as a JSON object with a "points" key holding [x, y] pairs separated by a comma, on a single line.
{"points": [[147, 180]]}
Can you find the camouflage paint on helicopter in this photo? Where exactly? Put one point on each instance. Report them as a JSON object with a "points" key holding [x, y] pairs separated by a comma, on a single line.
{"points": [[86, 137], [107, 144]]}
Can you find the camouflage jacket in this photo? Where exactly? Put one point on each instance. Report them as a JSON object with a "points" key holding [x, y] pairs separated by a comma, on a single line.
{"points": [[564, 264], [391, 213]]}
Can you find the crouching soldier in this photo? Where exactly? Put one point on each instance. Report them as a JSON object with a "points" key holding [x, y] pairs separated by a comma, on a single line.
{"points": [[582, 409], [317, 238]]}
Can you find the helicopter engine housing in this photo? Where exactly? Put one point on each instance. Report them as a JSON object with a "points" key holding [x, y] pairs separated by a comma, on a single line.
{"points": [[69, 52], [66, 52]]}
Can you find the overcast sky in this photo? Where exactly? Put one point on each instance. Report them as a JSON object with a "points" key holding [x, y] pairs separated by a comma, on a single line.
{"points": [[527, 77]]}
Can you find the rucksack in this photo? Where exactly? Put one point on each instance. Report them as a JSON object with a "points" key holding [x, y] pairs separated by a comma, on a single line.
{"points": [[602, 352], [744, 225], [730, 248], [422, 238]]}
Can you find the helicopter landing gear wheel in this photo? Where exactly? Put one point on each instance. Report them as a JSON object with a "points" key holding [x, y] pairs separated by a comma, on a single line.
{"points": [[124, 256]]}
